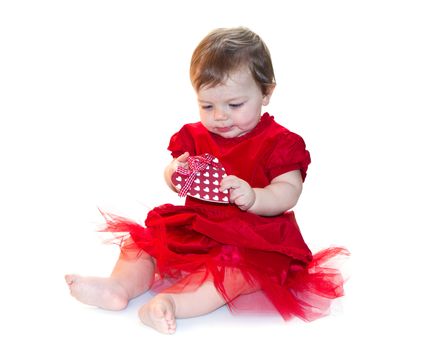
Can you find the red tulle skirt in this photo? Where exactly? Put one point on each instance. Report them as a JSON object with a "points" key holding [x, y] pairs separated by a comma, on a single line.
{"points": [[257, 264]]}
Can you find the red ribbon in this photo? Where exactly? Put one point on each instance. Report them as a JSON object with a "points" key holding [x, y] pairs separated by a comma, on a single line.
{"points": [[196, 164]]}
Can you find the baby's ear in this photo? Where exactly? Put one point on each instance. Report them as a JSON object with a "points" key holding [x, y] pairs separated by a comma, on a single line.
{"points": [[267, 97]]}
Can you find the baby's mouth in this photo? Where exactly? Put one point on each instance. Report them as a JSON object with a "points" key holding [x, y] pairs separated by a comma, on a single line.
{"points": [[224, 129]]}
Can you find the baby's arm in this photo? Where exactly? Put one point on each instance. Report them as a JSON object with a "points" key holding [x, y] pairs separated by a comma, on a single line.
{"points": [[279, 196], [172, 167]]}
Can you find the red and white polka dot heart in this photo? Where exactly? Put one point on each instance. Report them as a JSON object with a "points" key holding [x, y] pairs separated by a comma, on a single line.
{"points": [[206, 183]]}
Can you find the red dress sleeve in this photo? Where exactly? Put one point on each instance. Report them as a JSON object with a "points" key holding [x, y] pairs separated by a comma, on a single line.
{"points": [[289, 154], [182, 141]]}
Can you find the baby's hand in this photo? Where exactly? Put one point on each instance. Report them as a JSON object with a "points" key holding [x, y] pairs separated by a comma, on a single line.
{"points": [[172, 168], [180, 161], [241, 193]]}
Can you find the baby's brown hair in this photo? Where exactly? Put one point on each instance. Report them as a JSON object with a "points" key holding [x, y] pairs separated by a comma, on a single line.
{"points": [[223, 51]]}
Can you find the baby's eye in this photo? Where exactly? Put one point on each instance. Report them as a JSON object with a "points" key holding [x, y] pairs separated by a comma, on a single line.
{"points": [[206, 107], [236, 105]]}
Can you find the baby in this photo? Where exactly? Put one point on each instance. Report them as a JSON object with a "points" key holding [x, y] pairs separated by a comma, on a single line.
{"points": [[215, 253]]}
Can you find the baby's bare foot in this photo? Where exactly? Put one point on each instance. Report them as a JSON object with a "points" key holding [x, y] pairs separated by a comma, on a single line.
{"points": [[105, 293], [159, 314]]}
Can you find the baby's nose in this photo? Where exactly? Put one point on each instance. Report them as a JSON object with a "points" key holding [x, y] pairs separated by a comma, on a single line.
{"points": [[219, 115]]}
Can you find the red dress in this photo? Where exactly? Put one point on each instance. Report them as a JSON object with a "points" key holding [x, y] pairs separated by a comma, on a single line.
{"points": [[239, 251]]}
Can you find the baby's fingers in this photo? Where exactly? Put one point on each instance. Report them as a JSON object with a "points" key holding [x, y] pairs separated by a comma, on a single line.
{"points": [[183, 158], [229, 182], [181, 161]]}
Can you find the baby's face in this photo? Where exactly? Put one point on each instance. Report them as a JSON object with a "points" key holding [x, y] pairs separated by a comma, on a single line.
{"points": [[234, 107]]}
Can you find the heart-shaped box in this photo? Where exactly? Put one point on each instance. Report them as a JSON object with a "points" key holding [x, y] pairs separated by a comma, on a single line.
{"points": [[202, 179]]}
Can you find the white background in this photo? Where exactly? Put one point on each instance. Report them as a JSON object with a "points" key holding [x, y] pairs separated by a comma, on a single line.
{"points": [[91, 91]]}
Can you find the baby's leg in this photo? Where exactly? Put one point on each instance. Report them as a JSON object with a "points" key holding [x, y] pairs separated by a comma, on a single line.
{"points": [[161, 312], [132, 276]]}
